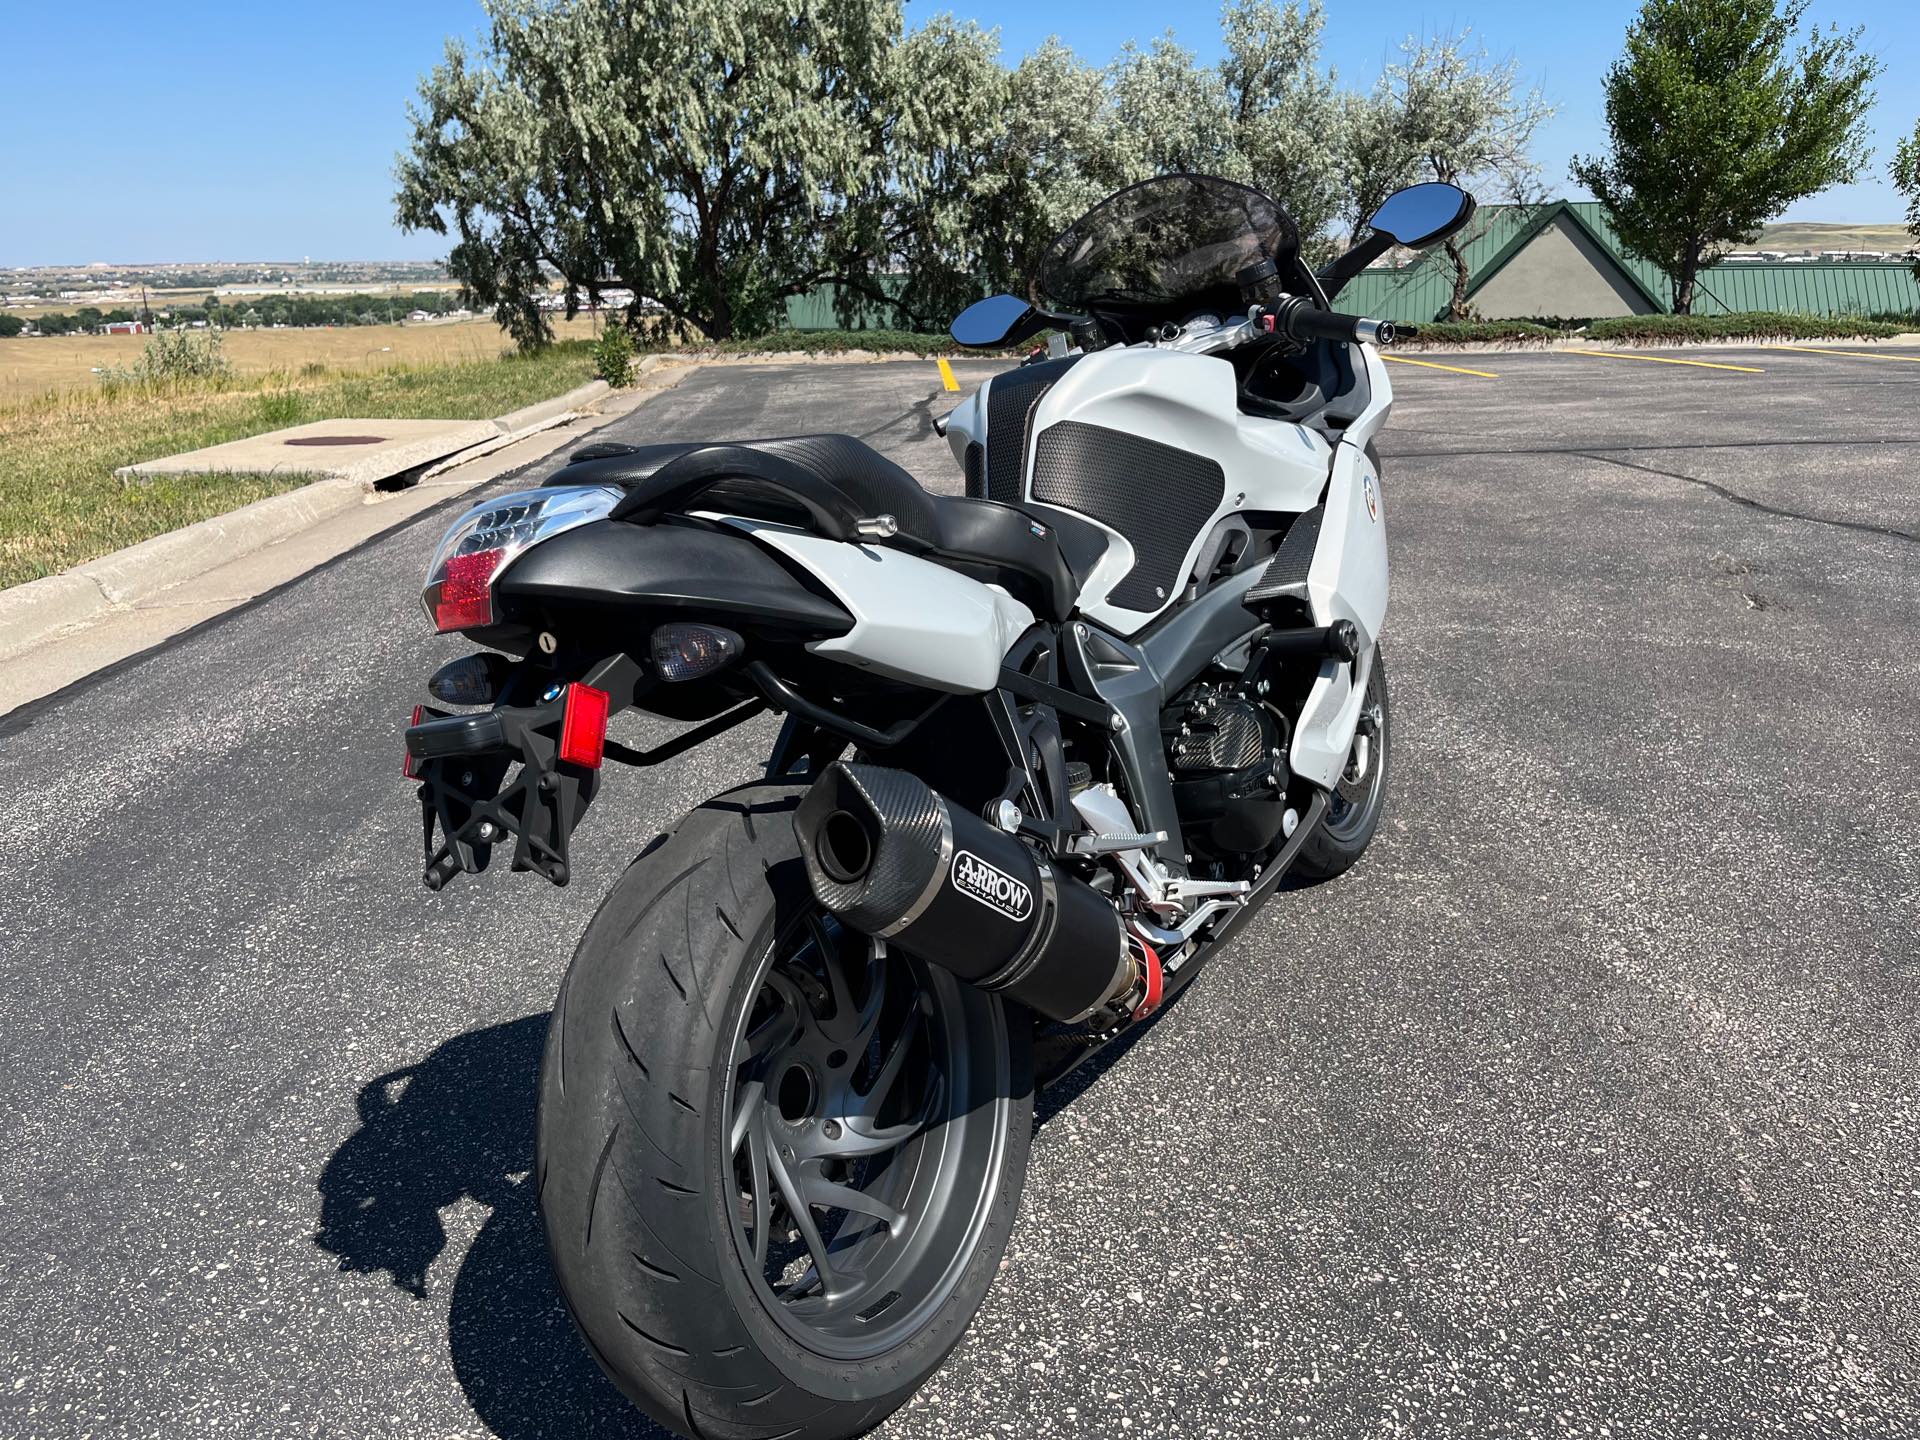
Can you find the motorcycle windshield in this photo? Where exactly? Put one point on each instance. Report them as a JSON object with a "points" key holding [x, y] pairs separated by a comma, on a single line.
{"points": [[1165, 242]]}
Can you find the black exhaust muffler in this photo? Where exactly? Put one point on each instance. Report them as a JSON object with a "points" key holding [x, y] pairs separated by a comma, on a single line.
{"points": [[892, 858]]}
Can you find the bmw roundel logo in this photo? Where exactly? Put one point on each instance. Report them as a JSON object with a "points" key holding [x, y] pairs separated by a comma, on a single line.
{"points": [[1372, 495]]}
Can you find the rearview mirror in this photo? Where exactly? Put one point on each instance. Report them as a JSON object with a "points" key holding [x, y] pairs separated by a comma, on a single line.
{"points": [[1423, 215], [992, 321]]}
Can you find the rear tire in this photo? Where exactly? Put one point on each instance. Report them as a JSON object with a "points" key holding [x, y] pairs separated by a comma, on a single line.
{"points": [[1360, 798], [712, 1020]]}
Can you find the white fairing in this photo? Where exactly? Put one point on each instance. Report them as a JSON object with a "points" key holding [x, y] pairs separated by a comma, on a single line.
{"points": [[912, 620], [1347, 581], [1190, 403]]}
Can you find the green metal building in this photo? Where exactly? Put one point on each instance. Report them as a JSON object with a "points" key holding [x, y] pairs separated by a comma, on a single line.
{"points": [[1563, 259]]}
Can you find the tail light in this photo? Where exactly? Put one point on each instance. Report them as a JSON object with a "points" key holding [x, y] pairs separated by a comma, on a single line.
{"points": [[491, 536]]}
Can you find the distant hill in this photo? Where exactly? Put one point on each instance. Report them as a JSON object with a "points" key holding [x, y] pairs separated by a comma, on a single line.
{"points": [[1804, 235]]}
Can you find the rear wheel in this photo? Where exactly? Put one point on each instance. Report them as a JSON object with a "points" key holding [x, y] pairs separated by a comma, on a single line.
{"points": [[1360, 797], [778, 1165]]}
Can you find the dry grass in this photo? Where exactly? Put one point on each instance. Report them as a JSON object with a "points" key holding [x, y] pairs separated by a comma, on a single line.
{"points": [[1809, 235], [61, 504], [33, 367]]}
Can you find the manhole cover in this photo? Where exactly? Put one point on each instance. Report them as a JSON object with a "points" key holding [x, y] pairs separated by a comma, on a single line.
{"points": [[337, 440]]}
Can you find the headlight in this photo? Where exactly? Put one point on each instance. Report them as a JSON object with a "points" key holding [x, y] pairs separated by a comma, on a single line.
{"points": [[491, 536]]}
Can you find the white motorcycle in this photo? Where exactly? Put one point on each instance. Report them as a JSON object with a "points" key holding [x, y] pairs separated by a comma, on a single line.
{"points": [[1045, 748]]}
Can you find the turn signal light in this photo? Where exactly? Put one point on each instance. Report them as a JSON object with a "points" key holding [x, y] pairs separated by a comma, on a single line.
{"points": [[470, 680], [583, 726], [687, 652]]}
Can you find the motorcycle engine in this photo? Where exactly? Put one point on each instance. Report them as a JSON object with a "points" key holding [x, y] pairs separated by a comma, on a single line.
{"points": [[1227, 756]]}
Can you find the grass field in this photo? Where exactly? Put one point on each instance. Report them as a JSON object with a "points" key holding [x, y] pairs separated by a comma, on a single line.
{"points": [[1807, 235], [60, 503], [32, 367]]}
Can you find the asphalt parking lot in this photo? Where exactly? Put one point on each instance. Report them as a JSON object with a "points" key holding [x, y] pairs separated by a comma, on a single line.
{"points": [[1585, 1105]]}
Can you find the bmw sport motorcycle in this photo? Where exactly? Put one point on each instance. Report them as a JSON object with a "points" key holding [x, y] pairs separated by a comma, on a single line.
{"points": [[1046, 747]]}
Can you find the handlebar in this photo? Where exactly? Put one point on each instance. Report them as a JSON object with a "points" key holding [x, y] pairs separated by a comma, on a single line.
{"points": [[1299, 320]]}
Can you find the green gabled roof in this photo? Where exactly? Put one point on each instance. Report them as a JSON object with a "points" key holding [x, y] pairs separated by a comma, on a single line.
{"points": [[1420, 290], [1590, 217]]}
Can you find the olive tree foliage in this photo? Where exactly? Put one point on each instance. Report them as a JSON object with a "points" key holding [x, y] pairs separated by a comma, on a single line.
{"points": [[713, 155], [1289, 114], [1267, 115], [1446, 110], [719, 156], [1906, 176], [1717, 127]]}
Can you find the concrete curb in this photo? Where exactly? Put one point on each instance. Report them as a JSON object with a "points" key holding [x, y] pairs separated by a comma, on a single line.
{"points": [[533, 417], [31, 612], [34, 612], [129, 576]]}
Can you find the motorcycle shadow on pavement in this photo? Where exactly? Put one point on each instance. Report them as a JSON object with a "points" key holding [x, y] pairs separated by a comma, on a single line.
{"points": [[460, 1124]]}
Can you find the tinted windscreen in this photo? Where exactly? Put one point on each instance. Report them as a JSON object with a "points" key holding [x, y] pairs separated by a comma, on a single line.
{"points": [[1163, 241]]}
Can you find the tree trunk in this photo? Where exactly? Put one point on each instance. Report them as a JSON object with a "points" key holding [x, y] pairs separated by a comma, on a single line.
{"points": [[1683, 285], [1457, 304]]}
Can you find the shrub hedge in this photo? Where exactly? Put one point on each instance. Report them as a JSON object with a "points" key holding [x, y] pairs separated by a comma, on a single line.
{"points": [[1632, 329], [1756, 325]]}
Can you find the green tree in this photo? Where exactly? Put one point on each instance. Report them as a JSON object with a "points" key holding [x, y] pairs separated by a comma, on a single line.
{"points": [[1716, 128], [1906, 175], [10, 326], [714, 155]]}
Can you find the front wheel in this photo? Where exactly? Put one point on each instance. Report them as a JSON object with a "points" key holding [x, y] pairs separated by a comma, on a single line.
{"points": [[1360, 798], [778, 1166]]}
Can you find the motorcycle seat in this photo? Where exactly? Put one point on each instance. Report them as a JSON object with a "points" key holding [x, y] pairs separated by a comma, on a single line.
{"points": [[829, 483]]}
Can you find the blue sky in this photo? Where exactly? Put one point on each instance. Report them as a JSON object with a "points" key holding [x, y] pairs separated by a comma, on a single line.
{"points": [[134, 132]]}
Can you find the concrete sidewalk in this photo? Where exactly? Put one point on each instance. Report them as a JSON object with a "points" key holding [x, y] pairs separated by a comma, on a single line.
{"points": [[59, 629]]}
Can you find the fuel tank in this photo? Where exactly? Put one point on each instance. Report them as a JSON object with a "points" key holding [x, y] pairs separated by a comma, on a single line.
{"points": [[1150, 445]]}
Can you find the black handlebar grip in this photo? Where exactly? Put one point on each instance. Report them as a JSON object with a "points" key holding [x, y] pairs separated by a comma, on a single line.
{"points": [[1302, 321]]}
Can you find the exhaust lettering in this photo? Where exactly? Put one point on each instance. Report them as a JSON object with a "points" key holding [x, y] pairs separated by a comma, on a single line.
{"points": [[991, 886]]}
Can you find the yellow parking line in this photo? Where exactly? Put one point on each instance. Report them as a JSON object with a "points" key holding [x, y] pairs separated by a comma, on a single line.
{"points": [[1432, 365], [946, 375], [1663, 360], [1850, 354]]}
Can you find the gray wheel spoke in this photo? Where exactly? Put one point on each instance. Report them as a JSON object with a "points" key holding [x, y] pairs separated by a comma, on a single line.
{"points": [[834, 963], [774, 1032], [889, 1071], [824, 1192], [752, 1095], [860, 1136], [831, 1283], [762, 1202]]}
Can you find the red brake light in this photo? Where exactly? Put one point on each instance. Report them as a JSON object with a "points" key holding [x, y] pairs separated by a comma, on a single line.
{"points": [[406, 759], [583, 726], [466, 595]]}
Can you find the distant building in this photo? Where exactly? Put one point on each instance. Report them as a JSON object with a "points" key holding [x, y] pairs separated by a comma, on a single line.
{"points": [[124, 327], [1563, 259]]}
